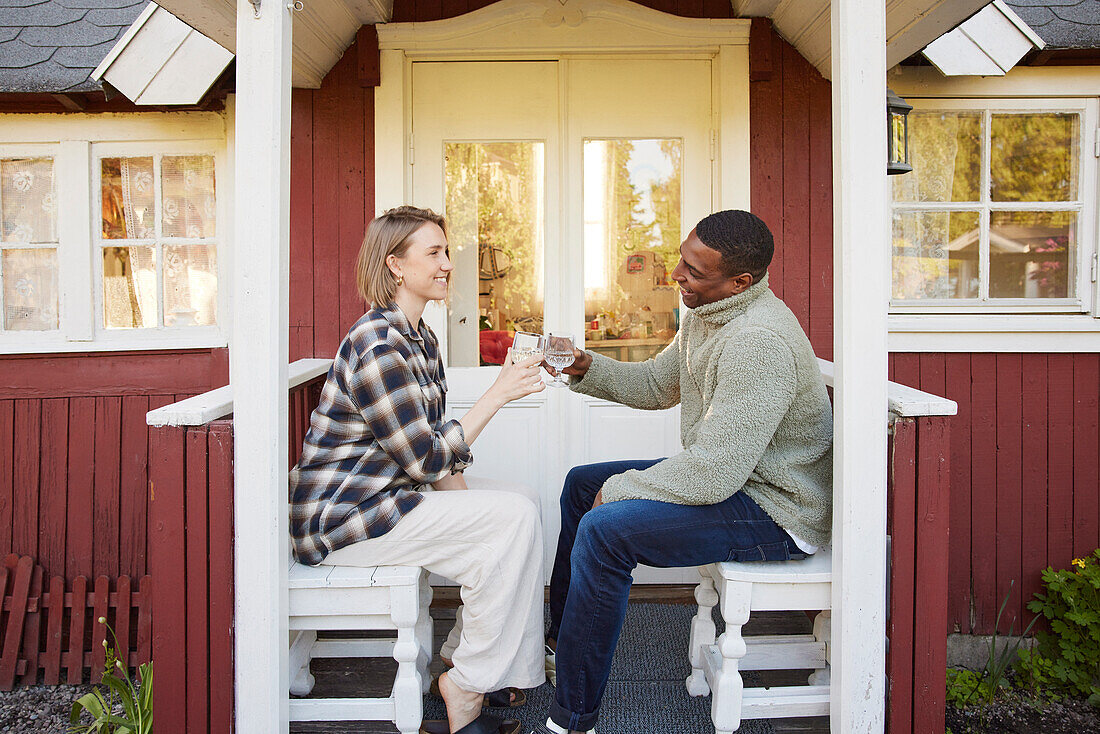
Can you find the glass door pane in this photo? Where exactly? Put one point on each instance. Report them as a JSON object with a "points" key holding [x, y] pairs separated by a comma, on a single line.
{"points": [[494, 209], [632, 213]]}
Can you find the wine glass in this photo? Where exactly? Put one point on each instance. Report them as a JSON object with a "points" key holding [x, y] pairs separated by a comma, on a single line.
{"points": [[525, 345], [559, 355]]}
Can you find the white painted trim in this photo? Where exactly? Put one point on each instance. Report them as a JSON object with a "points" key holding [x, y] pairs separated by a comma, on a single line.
{"points": [[1023, 82], [218, 403], [902, 400], [861, 295], [124, 41], [75, 261], [527, 27], [111, 127], [1017, 21], [732, 113], [258, 365]]}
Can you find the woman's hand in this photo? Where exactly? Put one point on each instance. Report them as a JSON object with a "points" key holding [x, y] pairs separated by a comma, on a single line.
{"points": [[517, 380]]}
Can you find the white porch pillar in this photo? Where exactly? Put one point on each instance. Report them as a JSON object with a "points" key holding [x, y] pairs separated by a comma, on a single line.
{"points": [[258, 363], [861, 298]]}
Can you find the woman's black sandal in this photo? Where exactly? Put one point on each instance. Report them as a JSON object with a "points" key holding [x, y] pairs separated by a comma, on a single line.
{"points": [[504, 698]]}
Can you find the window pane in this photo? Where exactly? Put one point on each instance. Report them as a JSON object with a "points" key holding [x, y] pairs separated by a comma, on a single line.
{"points": [[1030, 254], [946, 153], [935, 255], [632, 240], [128, 196], [129, 287], [30, 289], [190, 285], [187, 188], [495, 217], [29, 204], [1034, 157]]}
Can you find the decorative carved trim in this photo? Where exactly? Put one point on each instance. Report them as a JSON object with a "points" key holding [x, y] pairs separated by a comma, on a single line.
{"points": [[526, 27]]}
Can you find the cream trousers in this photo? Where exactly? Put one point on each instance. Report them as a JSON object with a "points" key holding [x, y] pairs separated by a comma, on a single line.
{"points": [[488, 539]]}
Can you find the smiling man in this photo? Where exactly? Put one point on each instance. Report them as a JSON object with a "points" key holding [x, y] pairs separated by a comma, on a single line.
{"points": [[754, 479]]}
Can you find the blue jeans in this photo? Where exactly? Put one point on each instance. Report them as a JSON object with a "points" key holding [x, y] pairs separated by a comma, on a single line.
{"points": [[598, 549]]}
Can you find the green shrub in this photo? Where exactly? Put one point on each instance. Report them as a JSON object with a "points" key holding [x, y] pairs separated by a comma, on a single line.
{"points": [[1067, 659]]}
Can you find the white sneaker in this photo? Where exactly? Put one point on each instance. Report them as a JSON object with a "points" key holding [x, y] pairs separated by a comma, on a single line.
{"points": [[555, 729], [551, 667]]}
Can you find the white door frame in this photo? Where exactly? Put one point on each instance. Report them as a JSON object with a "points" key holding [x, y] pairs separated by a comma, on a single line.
{"points": [[547, 29]]}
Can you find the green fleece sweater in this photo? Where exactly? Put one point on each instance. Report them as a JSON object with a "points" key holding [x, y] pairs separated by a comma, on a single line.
{"points": [[754, 413]]}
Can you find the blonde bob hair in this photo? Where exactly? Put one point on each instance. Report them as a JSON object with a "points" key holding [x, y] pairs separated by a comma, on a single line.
{"points": [[388, 234]]}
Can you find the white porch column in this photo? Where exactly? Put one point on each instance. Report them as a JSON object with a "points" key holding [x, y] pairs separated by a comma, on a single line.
{"points": [[861, 298], [258, 363]]}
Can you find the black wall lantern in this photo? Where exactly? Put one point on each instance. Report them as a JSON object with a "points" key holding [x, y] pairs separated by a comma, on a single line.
{"points": [[897, 134]]}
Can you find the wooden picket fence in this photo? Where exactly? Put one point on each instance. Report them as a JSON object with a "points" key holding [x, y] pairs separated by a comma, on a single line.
{"points": [[46, 627]]}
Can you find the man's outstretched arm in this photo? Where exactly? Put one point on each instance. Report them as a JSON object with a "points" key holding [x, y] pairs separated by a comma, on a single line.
{"points": [[650, 385]]}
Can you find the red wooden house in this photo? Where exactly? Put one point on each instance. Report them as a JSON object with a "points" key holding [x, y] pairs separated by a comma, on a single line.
{"points": [[142, 214]]}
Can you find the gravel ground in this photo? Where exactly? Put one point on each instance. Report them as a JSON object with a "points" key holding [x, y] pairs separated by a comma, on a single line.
{"points": [[1018, 715], [38, 709]]}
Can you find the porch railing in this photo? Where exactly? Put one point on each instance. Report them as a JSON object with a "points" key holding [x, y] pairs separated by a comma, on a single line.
{"points": [[191, 551]]}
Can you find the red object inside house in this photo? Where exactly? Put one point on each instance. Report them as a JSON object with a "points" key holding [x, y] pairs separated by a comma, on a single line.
{"points": [[494, 346]]}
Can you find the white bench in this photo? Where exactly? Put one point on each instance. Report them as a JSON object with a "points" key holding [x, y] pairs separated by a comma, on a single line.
{"points": [[352, 598], [742, 588]]}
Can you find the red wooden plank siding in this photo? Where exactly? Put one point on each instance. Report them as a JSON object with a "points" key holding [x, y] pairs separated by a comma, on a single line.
{"points": [[167, 565], [765, 136], [74, 657], [821, 220], [902, 501], [1060, 487], [791, 261], [32, 627], [197, 554], [301, 224], [1086, 473], [7, 456], [121, 619], [352, 184], [26, 455], [220, 463], [983, 521], [108, 431], [957, 379], [327, 267], [1009, 476], [53, 500], [99, 630], [1033, 492], [930, 616], [78, 550], [133, 484], [52, 667]]}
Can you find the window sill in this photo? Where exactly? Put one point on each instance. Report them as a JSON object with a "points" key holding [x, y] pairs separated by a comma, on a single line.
{"points": [[58, 344], [994, 333]]}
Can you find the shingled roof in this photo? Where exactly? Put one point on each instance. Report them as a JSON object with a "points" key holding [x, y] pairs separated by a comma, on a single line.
{"points": [[1063, 24], [54, 45]]}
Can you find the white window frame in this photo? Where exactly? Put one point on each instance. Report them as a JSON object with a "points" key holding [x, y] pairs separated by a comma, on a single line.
{"points": [[1083, 298], [77, 143]]}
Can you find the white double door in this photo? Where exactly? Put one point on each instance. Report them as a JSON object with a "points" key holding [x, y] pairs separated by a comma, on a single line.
{"points": [[560, 104]]}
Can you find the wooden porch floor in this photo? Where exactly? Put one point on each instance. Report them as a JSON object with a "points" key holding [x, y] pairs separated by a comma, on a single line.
{"points": [[373, 677]]}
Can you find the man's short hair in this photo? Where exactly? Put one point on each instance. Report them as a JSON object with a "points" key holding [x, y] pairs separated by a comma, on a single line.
{"points": [[743, 239]]}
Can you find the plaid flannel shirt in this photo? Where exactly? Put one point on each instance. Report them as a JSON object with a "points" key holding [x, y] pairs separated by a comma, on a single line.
{"points": [[377, 436]]}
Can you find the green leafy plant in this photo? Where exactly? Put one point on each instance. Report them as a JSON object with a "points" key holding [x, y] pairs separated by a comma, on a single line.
{"points": [[136, 701], [962, 685], [1067, 659]]}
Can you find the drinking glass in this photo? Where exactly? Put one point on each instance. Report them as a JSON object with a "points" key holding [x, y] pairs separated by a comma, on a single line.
{"points": [[525, 345], [559, 355]]}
